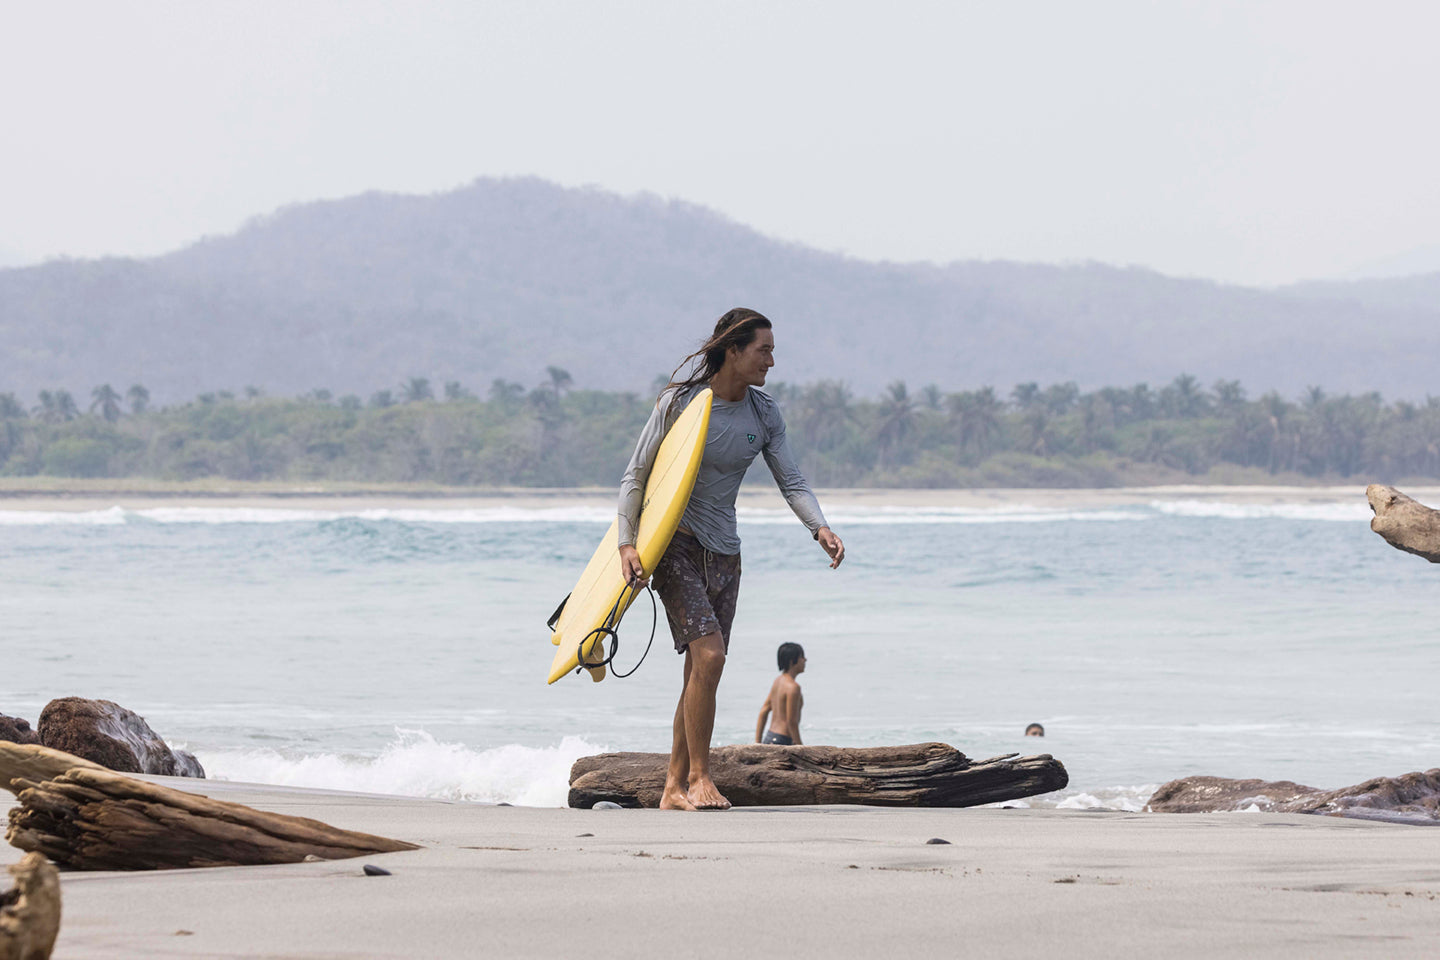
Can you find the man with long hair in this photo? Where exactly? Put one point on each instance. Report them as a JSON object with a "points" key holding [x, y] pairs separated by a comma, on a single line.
{"points": [[698, 578]]}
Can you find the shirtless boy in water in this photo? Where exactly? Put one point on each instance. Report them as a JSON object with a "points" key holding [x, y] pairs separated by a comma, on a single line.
{"points": [[784, 699]]}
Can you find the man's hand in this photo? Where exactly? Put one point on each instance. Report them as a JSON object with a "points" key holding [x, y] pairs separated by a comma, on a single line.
{"points": [[832, 546], [631, 568]]}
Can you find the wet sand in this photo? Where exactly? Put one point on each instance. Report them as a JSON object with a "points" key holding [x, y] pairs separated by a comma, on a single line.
{"points": [[807, 882]]}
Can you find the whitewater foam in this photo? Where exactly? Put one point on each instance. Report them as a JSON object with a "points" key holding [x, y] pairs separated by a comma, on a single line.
{"points": [[415, 764], [594, 514], [1334, 512], [41, 518], [257, 515], [864, 516], [1123, 799]]}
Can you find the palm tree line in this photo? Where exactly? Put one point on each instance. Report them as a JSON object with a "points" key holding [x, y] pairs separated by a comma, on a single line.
{"points": [[553, 434]]}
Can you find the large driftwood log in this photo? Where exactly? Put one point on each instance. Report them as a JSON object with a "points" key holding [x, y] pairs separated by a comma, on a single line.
{"points": [[1410, 798], [1405, 523], [82, 815], [752, 775], [30, 912]]}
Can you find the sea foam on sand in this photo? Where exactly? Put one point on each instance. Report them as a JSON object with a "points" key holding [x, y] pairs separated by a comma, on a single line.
{"points": [[415, 764]]}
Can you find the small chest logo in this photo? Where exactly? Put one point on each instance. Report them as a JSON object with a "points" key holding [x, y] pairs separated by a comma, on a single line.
{"points": [[750, 437]]}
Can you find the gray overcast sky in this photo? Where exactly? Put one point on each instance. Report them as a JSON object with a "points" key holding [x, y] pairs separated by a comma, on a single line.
{"points": [[1254, 142]]}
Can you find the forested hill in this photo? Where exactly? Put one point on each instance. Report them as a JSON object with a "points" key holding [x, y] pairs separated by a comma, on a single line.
{"points": [[503, 278]]}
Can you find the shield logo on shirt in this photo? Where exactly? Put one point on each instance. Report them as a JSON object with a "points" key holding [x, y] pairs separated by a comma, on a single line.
{"points": [[750, 437]]}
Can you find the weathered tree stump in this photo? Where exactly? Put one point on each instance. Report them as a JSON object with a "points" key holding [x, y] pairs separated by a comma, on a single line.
{"points": [[82, 815], [1405, 523], [30, 912], [752, 775]]}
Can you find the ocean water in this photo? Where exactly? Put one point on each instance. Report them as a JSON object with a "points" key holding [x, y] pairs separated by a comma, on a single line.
{"points": [[404, 651]]}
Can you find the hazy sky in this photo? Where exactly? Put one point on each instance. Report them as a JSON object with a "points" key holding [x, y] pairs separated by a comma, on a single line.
{"points": [[1255, 142]]}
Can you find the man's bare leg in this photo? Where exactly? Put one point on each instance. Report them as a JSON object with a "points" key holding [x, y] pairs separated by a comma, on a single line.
{"points": [[677, 777], [704, 660]]}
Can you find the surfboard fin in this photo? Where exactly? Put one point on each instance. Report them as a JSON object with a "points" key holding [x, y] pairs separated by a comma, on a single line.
{"points": [[595, 656]]}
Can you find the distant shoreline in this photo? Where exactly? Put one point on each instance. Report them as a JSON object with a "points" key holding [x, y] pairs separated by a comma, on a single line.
{"points": [[99, 495]]}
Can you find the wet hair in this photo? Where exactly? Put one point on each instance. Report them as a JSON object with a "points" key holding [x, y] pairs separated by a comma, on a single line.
{"points": [[788, 655], [737, 328], [1039, 730]]}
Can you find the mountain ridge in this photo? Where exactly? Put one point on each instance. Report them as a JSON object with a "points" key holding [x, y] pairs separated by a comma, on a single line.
{"points": [[504, 277]]}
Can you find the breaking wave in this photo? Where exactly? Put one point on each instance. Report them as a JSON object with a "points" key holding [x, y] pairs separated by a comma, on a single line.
{"points": [[1337, 512], [415, 764], [598, 514]]}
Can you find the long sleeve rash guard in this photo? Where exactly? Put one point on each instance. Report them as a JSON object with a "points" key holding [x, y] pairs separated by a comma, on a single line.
{"points": [[738, 431]]}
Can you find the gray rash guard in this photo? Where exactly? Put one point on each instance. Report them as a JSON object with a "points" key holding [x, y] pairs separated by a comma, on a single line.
{"points": [[738, 431]]}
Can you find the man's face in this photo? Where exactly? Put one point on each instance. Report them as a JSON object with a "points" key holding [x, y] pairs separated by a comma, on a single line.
{"points": [[752, 363], [800, 665]]}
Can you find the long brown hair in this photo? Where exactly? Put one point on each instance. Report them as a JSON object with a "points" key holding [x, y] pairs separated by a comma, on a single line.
{"points": [[737, 328]]}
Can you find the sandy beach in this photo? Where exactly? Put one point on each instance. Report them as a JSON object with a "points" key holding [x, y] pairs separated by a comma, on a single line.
{"points": [[807, 882]]}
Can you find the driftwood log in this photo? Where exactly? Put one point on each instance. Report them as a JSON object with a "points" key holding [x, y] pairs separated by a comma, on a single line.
{"points": [[82, 815], [1409, 798], [30, 912], [1405, 523], [752, 775]]}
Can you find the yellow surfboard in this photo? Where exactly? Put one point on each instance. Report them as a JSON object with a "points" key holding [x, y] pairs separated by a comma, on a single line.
{"points": [[667, 492]]}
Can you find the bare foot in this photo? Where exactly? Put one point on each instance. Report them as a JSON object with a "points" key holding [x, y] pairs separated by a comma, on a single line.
{"points": [[704, 796], [675, 799]]}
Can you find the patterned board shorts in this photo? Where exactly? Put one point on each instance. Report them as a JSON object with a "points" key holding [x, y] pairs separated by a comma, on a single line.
{"points": [[699, 590]]}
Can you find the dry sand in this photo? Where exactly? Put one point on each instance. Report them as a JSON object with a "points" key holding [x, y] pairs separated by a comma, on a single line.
{"points": [[811, 882]]}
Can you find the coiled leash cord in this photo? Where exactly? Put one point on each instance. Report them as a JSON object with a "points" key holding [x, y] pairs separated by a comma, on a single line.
{"points": [[610, 628]]}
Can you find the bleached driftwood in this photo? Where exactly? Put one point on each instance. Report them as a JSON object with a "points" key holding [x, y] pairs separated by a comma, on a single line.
{"points": [[82, 815], [1405, 523], [30, 911], [750, 775]]}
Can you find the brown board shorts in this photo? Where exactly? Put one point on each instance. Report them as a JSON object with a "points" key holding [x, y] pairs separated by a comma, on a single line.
{"points": [[699, 590]]}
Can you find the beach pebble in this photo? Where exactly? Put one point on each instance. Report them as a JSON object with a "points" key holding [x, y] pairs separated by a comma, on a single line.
{"points": [[584, 835], [938, 840], [606, 805], [373, 871], [311, 858]]}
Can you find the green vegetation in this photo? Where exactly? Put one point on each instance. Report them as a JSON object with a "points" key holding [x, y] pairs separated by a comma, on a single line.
{"points": [[553, 436]]}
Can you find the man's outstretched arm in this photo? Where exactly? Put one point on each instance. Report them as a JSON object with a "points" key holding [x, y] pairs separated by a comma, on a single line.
{"points": [[796, 488]]}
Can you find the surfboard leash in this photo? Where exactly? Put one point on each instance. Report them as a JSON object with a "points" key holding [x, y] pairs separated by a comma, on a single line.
{"points": [[611, 628]]}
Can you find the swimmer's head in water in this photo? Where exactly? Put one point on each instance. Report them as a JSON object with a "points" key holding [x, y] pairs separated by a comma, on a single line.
{"points": [[1034, 730], [788, 655]]}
